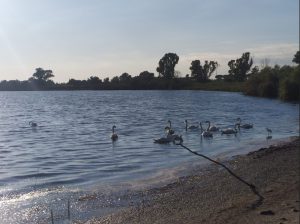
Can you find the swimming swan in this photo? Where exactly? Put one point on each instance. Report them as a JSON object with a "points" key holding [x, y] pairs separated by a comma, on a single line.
{"points": [[162, 141], [169, 128], [245, 126], [114, 136], [174, 137], [168, 139], [229, 131], [192, 127], [32, 124], [205, 133], [211, 128]]}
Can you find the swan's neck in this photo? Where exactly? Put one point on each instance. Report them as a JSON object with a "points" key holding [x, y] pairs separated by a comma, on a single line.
{"points": [[208, 126]]}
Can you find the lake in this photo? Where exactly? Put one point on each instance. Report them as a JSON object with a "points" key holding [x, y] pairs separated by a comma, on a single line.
{"points": [[70, 152]]}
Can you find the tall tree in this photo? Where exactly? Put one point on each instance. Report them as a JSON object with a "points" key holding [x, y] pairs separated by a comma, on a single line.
{"points": [[296, 58], [238, 68], [115, 79], [145, 75], [41, 74], [202, 73], [255, 70], [94, 82], [124, 77], [208, 68], [196, 70], [166, 65], [41, 79], [106, 80]]}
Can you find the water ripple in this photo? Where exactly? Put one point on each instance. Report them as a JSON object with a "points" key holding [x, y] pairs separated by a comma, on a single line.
{"points": [[72, 145]]}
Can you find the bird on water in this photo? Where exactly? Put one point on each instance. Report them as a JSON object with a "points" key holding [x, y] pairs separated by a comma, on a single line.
{"points": [[245, 126], [32, 124], [269, 133], [169, 128], [191, 127], [114, 136], [205, 133], [229, 131], [211, 128]]}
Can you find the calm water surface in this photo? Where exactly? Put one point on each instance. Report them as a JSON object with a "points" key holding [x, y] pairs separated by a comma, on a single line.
{"points": [[71, 150]]}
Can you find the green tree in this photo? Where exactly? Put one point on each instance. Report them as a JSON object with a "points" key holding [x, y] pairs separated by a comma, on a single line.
{"points": [[40, 80], [196, 70], [94, 82], [41, 74], [255, 70], [202, 73], [208, 68], [296, 58], [239, 68], [115, 79], [106, 80], [166, 65], [145, 75], [125, 77], [265, 83]]}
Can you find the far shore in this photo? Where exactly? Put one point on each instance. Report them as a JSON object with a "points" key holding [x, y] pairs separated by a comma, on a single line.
{"points": [[210, 195]]}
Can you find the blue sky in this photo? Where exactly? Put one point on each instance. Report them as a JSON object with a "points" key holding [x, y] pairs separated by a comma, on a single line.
{"points": [[77, 38]]}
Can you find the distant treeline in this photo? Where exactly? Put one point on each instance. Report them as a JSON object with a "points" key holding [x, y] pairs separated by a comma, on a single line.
{"points": [[282, 82]]}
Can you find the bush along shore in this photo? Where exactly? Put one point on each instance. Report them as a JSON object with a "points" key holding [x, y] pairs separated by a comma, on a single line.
{"points": [[273, 82]]}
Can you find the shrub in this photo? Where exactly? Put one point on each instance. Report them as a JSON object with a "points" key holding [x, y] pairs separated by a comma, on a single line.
{"points": [[289, 88], [274, 82]]}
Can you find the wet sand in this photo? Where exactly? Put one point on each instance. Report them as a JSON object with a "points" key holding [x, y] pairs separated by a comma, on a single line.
{"points": [[212, 195]]}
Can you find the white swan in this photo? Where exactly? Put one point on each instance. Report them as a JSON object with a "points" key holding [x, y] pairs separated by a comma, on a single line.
{"points": [[174, 137], [162, 140], [229, 131], [192, 127], [205, 133], [245, 126], [169, 128], [211, 128], [168, 139], [32, 124], [114, 136]]}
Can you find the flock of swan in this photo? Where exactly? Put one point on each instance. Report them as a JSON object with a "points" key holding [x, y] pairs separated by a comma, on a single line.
{"points": [[206, 133]]}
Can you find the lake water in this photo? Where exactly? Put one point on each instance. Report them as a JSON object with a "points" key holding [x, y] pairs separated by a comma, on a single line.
{"points": [[70, 152]]}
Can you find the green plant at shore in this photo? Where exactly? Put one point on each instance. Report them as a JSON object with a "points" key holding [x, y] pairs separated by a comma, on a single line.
{"points": [[289, 87], [275, 82]]}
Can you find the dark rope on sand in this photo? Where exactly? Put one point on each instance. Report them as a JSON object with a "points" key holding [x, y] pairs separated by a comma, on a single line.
{"points": [[251, 186]]}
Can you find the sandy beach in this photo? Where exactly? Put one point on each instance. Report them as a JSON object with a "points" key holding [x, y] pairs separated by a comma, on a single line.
{"points": [[212, 195]]}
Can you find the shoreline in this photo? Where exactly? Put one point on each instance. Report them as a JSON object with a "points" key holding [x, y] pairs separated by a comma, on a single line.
{"points": [[211, 195]]}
